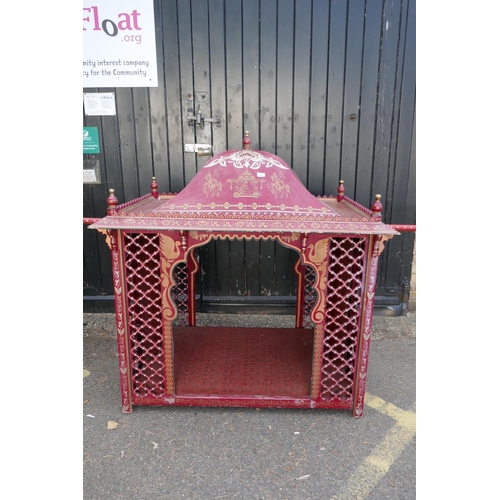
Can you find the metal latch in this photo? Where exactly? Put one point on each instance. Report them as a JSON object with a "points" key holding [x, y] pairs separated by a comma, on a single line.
{"points": [[200, 120]]}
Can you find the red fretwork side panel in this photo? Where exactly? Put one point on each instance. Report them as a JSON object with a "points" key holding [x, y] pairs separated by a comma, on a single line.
{"points": [[143, 279], [342, 321], [180, 294], [310, 297]]}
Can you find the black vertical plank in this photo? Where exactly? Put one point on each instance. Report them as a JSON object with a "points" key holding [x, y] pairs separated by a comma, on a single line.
{"points": [[395, 21], [266, 139], [298, 120], [250, 94], [335, 107], [251, 70], [354, 49], [142, 129], [111, 152], [217, 74], [184, 26], [385, 104], [203, 133], [201, 72], [208, 259], [217, 92], [400, 254], [284, 114], [159, 144], [284, 97], [171, 116], [409, 238], [113, 179], [93, 275], [367, 112], [94, 196], [234, 120], [401, 26], [234, 75], [126, 130], [319, 91], [268, 59]]}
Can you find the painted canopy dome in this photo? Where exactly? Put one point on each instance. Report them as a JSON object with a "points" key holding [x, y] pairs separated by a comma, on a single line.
{"points": [[245, 190]]}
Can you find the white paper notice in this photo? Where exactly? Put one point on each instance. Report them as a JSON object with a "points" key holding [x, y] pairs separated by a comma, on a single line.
{"points": [[100, 104], [89, 176]]}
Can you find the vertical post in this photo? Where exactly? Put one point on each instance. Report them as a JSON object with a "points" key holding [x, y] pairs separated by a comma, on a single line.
{"points": [[193, 267], [366, 329], [121, 322], [299, 306], [374, 249], [120, 307]]}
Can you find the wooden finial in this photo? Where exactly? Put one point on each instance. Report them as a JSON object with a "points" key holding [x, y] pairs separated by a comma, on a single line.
{"points": [[377, 208], [112, 202], [340, 191], [247, 141], [154, 187]]}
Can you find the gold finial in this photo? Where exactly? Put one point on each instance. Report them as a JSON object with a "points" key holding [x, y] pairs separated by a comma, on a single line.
{"points": [[112, 202], [154, 187], [377, 207]]}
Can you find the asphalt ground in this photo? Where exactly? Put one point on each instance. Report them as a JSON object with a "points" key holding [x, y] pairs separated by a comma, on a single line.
{"points": [[244, 453]]}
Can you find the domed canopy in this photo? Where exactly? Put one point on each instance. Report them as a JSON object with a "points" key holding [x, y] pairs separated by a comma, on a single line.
{"points": [[246, 190]]}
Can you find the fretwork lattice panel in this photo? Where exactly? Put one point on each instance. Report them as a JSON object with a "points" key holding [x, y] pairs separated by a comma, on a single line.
{"points": [[143, 277], [343, 306], [310, 297], [180, 294]]}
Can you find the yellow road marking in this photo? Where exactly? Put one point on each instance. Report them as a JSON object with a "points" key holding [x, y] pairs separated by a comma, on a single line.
{"points": [[377, 464]]}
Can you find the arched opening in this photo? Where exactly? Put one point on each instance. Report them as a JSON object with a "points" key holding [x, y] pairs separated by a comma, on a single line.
{"points": [[219, 355]]}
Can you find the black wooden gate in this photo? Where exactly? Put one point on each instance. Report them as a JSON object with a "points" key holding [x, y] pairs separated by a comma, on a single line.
{"points": [[329, 86]]}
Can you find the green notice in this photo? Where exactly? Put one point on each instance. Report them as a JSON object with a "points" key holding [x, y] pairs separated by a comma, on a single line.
{"points": [[91, 141]]}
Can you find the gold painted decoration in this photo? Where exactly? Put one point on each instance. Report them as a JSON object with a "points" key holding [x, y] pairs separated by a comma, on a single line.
{"points": [[316, 369], [380, 242], [169, 253], [169, 362], [279, 187], [196, 235], [292, 237], [212, 187], [317, 256], [108, 238], [246, 185]]}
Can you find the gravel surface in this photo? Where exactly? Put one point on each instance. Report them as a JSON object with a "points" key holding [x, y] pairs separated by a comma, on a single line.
{"points": [[384, 327]]}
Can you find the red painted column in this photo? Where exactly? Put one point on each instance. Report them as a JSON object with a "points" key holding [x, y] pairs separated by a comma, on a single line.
{"points": [[193, 267], [121, 321], [299, 306], [366, 330]]}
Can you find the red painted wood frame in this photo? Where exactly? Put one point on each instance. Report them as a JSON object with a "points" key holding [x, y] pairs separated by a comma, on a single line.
{"points": [[164, 357]]}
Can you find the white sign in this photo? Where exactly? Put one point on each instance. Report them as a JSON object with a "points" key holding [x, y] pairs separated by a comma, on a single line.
{"points": [[99, 104], [119, 46]]}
